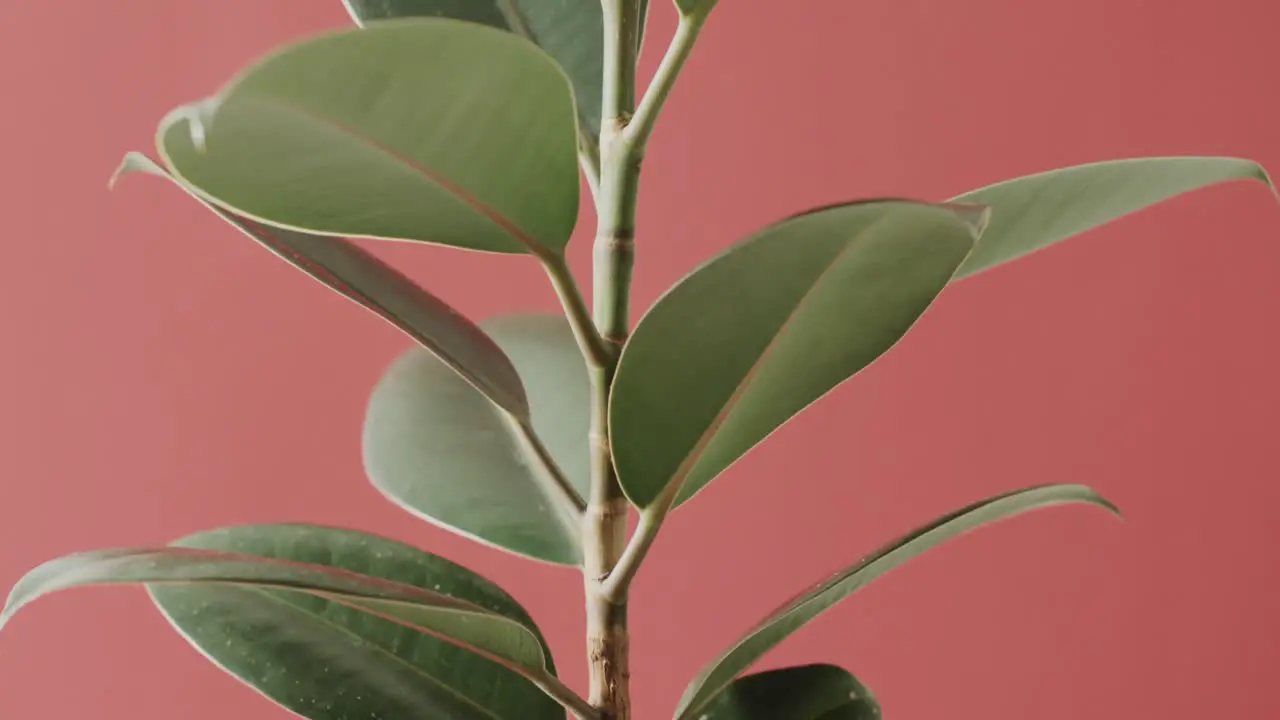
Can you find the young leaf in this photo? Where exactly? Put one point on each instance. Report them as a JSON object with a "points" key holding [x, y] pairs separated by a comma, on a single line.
{"points": [[1033, 212], [748, 340], [438, 449], [805, 692], [331, 623], [812, 603], [361, 277], [437, 131]]}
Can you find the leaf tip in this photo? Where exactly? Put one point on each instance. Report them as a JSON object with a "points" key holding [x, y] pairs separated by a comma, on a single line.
{"points": [[198, 117], [1094, 497], [977, 217], [133, 162], [1265, 178], [1111, 508]]}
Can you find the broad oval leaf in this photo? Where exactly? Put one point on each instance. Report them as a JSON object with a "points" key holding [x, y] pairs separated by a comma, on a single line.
{"points": [[438, 131], [329, 623], [1033, 212], [571, 31], [361, 277], [327, 662], [436, 448], [808, 605], [804, 692], [748, 340]]}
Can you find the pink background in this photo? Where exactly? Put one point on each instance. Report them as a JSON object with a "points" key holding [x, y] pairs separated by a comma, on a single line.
{"points": [[162, 375]]}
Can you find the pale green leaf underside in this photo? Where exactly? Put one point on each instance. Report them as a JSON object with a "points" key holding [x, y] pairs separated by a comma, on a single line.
{"points": [[748, 340], [332, 624], [438, 449], [1033, 212], [805, 692], [800, 611], [361, 277], [438, 131]]}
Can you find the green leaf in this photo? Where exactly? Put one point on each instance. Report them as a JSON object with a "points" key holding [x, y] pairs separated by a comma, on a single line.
{"points": [[805, 692], [436, 448], [644, 26], [437, 131], [1033, 212], [361, 277], [695, 7], [571, 31], [748, 340], [812, 603], [332, 624]]}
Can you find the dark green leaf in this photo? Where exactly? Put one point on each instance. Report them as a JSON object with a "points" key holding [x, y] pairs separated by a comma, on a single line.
{"points": [[326, 622], [695, 7], [436, 448], [748, 340], [1033, 212], [798, 612], [644, 24], [439, 615], [438, 131], [571, 31], [360, 276], [806, 692]]}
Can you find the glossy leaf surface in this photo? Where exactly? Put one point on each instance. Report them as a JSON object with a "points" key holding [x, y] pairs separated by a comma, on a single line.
{"points": [[798, 612], [326, 661], [320, 638], [805, 692], [746, 341], [571, 31], [438, 449], [421, 610], [1033, 212], [438, 131], [361, 277]]}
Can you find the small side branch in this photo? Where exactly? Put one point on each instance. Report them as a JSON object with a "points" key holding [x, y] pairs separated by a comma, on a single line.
{"points": [[618, 583], [593, 346], [551, 685], [641, 126], [536, 451]]}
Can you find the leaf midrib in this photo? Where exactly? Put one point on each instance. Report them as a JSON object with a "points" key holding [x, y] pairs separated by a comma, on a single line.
{"points": [[269, 238], [342, 287], [310, 116], [376, 646], [686, 466]]}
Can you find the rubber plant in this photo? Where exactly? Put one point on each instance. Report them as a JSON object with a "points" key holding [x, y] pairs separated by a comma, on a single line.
{"points": [[470, 123]]}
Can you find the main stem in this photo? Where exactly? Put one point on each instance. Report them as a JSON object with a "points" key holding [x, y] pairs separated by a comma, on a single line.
{"points": [[605, 520]]}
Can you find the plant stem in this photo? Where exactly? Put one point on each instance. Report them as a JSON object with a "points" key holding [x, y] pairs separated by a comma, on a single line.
{"points": [[646, 115], [624, 132], [631, 144], [605, 523]]}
